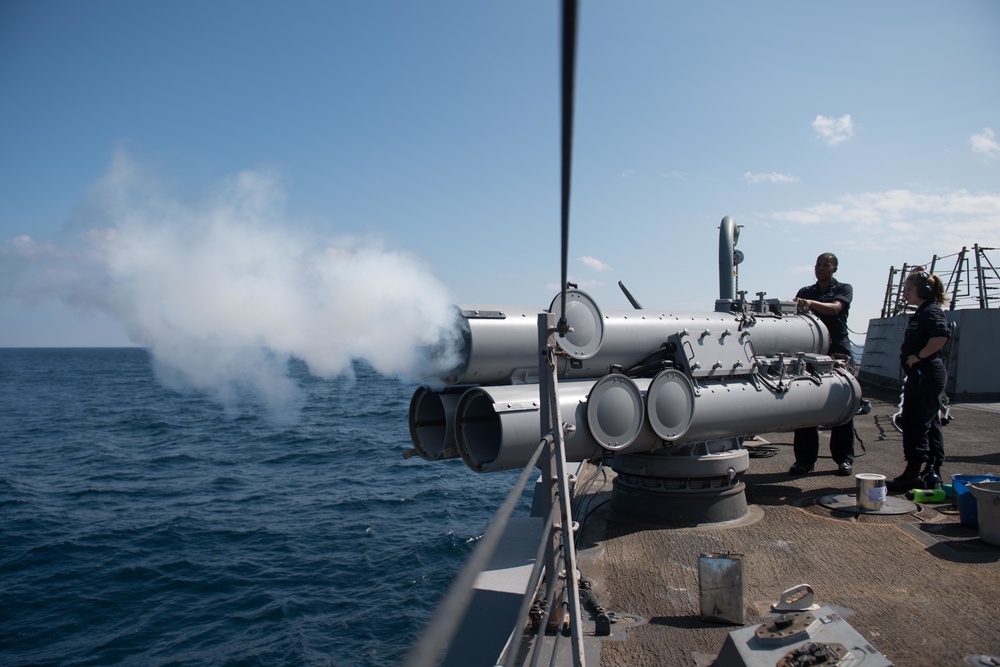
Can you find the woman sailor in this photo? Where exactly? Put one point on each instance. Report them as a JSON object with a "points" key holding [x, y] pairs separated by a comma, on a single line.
{"points": [[926, 333]]}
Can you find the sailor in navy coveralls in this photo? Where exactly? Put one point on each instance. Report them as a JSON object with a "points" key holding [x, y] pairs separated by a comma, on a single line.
{"points": [[926, 375], [830, 300]]}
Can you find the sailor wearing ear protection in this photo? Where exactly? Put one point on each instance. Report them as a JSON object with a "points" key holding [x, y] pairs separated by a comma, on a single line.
{"points": [[926, 375]]}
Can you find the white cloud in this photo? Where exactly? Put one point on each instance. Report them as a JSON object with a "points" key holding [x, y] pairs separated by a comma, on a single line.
{"points": [[904, 217], [772, 177], [594, 263], [626, 174], [985, 143], [679, 175], [834, 130]]}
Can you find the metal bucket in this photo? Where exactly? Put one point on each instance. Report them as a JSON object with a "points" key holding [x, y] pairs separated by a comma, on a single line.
{"points": [[988, 496], [871, 491], [722, 588]]}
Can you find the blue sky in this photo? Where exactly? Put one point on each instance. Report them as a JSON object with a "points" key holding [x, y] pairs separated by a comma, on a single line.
{"points": [[320, 177]]}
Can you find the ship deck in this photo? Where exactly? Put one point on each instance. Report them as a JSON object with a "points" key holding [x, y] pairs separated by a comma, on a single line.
{"points": [[921, 588]]}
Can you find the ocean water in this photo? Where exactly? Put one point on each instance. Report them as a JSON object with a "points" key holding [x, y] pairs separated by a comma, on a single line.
{"points": [[143, 525]]}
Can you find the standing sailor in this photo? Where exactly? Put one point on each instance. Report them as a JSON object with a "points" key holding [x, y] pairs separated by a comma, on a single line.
{"points": [[830, 300], [926, 375]]}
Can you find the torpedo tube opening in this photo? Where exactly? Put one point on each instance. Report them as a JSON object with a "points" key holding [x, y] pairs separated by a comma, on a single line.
{"points": [[479, 430], [432, 423]]}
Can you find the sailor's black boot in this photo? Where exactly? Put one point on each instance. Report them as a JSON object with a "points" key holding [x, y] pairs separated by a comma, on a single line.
{"points": [[909, 479]]}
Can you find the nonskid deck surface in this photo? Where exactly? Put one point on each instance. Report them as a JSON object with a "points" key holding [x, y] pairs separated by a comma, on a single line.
{"points": [[921, 588]]}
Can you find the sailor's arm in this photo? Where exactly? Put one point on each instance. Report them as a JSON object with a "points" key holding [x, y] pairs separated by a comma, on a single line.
{"points": [[932, 347], [819, 307]]}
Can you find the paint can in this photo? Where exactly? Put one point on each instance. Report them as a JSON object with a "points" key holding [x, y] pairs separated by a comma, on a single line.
{"points": [[871, 491]]}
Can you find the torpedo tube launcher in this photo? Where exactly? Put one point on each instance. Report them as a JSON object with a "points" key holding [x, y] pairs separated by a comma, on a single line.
{"points": [[634, 382]]}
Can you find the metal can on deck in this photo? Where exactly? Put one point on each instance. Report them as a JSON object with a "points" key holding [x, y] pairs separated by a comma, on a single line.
{"points": [[722, 588]]}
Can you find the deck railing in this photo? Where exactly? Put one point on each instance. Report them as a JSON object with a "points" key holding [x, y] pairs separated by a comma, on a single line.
{"points": [[555, 560], [972, 281]]}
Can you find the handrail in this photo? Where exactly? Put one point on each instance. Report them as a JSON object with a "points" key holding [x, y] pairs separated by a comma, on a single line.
{"points": [[452, 608], [512, 651], [972, 291], [555, 544], [454, 605], [557, 475]]}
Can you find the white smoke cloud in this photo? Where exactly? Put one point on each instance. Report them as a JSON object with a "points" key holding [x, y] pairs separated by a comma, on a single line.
{"points": [[225, 291]]}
